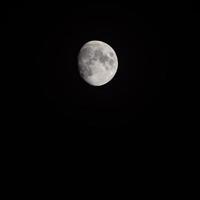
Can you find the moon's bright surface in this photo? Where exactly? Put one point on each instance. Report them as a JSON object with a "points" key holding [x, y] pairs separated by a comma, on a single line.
{"points": [[97, 63]]}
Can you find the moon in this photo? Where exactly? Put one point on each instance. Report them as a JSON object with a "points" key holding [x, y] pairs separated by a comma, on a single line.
{"points": [[97, 63]]}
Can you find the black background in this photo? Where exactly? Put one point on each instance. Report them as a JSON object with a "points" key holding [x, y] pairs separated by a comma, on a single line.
{"points": [[53, 98], [59, 124]]}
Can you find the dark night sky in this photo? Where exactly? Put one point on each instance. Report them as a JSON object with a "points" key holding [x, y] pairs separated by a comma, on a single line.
{"points": [[129, 129], [50, 37]]}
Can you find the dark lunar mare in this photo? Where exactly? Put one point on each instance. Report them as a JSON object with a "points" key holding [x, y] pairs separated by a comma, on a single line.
{"points": [[111, 54], [111, 62], [101, 56]]}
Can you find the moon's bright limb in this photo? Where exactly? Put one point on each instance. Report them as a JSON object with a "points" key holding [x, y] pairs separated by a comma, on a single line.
{"points": [[97, 63]]}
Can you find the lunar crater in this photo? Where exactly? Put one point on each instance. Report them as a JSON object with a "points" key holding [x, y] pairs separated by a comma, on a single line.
{"points": [[87, 71]]}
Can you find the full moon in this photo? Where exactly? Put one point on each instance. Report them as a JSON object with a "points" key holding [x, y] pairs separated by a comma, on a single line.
{"points": [[97, 63]]}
